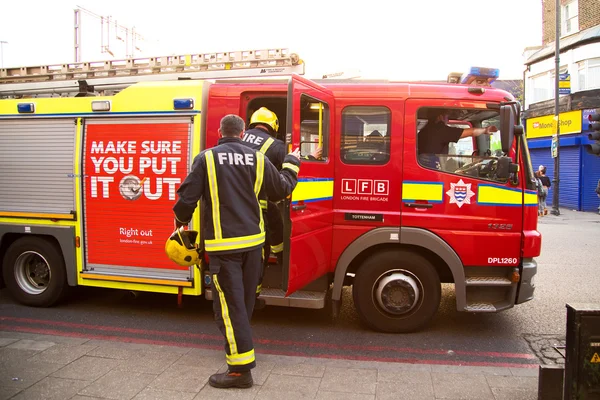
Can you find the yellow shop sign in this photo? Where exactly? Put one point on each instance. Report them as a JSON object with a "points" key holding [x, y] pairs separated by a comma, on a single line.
{"points": [[570, 122]]}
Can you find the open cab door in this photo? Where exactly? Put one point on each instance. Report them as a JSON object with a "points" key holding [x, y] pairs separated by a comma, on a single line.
{"points": [[308, 214]]}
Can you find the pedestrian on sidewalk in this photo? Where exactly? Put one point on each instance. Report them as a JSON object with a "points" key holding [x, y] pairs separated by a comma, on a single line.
{"points": [[544, 185], [598, 193], [232, 179]]}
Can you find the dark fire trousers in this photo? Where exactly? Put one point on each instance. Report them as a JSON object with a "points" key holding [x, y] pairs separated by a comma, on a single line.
{"points": [[235, 278]]}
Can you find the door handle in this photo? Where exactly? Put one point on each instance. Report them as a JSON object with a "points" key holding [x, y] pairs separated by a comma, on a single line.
{"points": [[418, 205], [298, 207]]}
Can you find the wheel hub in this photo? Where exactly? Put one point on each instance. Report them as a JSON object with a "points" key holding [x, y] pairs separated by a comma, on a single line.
{"points": [[32, 272], [397, 293]]}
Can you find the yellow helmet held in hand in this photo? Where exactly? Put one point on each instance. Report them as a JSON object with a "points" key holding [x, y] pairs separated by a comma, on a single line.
{"points": [[264, 116], [181, 247]]}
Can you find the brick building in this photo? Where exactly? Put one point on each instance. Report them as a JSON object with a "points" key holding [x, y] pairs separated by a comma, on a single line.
{"points": [[579, 71]]}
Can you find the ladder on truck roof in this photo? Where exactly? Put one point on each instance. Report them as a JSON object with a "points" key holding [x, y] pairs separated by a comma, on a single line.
{"points": [[113, 75]]}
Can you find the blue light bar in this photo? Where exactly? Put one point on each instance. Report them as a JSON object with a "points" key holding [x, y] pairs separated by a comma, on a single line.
{"points": [[481, 76], [485, 72], [183, 104], [27, 108]]}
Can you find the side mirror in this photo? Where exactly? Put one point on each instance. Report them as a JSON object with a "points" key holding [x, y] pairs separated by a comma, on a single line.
{"points": [[506, 167], [507, 127]]}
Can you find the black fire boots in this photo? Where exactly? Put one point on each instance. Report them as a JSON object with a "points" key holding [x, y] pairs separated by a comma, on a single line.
{"points": [[231, 380]]}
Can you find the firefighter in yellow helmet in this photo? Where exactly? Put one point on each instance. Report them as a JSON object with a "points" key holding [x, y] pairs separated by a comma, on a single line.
{"points": [[264, 125], [232, 180]]}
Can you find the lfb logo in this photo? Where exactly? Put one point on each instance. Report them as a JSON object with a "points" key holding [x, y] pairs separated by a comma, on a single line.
{"points": [[366, 186]]}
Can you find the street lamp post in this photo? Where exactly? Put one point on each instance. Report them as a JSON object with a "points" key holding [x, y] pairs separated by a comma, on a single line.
{"points": [[555, 194], [2, 42]]}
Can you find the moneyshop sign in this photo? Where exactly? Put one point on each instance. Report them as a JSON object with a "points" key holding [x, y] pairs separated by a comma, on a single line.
{"points": [[570, 122]]}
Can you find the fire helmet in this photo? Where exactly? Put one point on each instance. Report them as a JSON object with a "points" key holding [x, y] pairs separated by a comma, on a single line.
{"points": [[181, 247], [264, 116]]}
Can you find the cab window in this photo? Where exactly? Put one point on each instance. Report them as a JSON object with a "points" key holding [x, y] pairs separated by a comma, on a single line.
{"points": [[314, 129], [365, 135], [445, 141]]}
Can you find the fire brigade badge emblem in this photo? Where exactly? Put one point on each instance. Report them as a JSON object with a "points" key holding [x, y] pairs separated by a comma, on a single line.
{"points": [[460, 193]]}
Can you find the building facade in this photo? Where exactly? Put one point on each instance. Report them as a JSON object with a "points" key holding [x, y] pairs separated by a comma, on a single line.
{"points": [[579, 74]]}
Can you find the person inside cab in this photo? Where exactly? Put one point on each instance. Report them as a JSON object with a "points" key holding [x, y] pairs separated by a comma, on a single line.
{"points": [[435, 137]]}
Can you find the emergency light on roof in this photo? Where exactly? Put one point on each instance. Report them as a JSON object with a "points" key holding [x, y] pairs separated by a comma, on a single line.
{"points": [[183, 104], [480, 76], [26, 108]]}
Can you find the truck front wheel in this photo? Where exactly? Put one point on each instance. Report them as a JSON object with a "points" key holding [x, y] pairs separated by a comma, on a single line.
{"points": [[396, 291], [34, 272]]}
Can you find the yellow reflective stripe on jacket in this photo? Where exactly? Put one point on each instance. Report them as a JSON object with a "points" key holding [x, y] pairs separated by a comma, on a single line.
{"points": [[240, 359], [214, 193], [240, 242], [278, 248], [266, 146], [226, 319], [260, 172], [290, 166], [263, 204]]}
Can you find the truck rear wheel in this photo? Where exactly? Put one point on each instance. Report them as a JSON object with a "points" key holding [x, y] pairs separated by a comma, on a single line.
{"points": [[34, 272], [396, 291]]}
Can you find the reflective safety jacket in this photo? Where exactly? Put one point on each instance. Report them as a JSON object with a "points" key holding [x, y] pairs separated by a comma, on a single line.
{"points": [[260, 140], [233, 180]]}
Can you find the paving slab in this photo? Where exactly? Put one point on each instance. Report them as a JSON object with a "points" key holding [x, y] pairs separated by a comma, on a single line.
{"points": [[159, 394], [14, 357], [209, 392], [87, 368], [322, 395], [7, 341], [25, 373], [299, 369], [514, 394], [28, 344], [461, 386], [280, 386], [52, 389], [62, 353], [148, 362], [184, 378], [518, 382], [118, 385], [349, 380], [525, 371], [8, 392], [388, 390], [473, 370]]}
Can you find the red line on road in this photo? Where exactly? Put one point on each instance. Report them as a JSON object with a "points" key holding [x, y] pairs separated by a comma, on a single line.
{"points": [[330, 346], [54, 332]]}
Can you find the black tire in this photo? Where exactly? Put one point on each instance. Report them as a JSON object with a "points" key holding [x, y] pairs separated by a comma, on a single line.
{"points": [[403, 262], [34, 272]]}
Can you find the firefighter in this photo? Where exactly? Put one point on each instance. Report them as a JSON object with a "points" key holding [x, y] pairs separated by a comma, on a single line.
{"points": [[232, 180], [264, 125], [434, 139]]}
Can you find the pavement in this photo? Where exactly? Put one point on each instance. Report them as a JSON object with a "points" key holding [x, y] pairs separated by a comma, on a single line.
{"points": [[35, 366]]}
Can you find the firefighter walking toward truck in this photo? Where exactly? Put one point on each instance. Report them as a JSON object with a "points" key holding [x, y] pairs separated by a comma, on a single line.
{"points": [[232, 180]]}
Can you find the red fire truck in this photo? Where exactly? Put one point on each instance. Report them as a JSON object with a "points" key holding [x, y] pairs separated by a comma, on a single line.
{"points": [[91, 158]]}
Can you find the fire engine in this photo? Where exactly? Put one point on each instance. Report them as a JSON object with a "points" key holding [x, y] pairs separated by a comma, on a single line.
{"points": [[92, 155]]}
